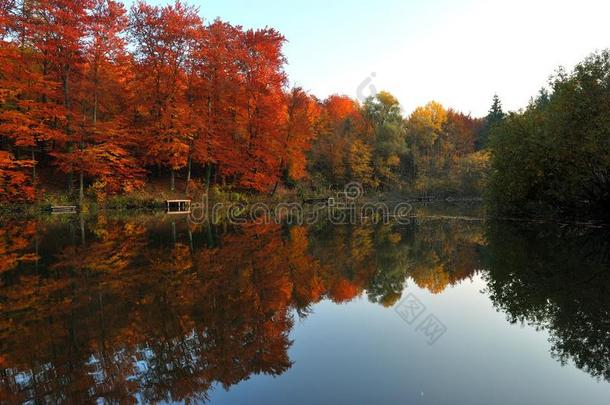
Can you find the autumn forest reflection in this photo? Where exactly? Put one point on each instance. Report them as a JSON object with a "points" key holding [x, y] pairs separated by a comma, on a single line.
{"points": [[147, 309]]}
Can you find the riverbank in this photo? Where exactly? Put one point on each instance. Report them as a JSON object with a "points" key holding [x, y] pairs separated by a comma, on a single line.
{"points": [[145, 200]]}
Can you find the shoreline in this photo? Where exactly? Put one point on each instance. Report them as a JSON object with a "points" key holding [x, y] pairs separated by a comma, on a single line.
{"points": [[132, 205]]}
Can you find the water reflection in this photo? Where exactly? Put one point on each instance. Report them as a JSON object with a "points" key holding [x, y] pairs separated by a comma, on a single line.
{"points": [[557, 280], [146, 309]]}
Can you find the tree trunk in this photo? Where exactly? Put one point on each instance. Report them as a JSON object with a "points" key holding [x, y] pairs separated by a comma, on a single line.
{"points": [[81, 193], [95, 103], [191, 246], [188, 175], [209, 235], [208, 177], [82, 229], [277, 181], [274, 188], [173, 182], [33, 167], [66, 90], [36, 250]]}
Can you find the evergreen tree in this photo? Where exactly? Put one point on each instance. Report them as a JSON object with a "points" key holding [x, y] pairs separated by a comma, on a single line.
{"points": [[495, 116]]}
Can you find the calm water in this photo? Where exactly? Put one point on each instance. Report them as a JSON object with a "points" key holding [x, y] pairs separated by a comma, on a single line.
{"points": [[440, 311]]}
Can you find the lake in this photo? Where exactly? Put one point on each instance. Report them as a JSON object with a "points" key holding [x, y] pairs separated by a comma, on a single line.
{"points": [[445, 309]]}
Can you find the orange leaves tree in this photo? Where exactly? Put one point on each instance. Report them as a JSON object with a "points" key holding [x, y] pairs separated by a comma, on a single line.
{"points": [[101, 96], [302, 112], [106, 143], [339, 124], [31, 110], [59, 27], [14, 183], [213, 94], [164, 38], [262, 111]]}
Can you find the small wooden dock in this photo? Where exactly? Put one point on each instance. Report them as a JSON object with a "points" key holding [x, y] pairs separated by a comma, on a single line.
{"points": [[178, 206], [315, 200], [63, 209]]}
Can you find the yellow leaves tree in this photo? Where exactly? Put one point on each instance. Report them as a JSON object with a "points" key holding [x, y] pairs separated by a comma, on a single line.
{"points": [[426, 124], [360, 163], [473, 171]]}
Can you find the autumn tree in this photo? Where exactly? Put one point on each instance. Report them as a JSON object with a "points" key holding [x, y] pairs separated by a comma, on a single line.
{"points": [[164, 38], [339, 124], [15, 183], [463, 131], [442, 151], [60, 27], [302, 112], [262, 109], [216, 96], [32, 112], [360, 161], [425, 134], [383, 115], [106, 141], [102, 153]]}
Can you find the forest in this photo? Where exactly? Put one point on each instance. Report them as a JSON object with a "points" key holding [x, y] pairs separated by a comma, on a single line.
{"points": [[110, 100], [553, 157], [97, 100]]}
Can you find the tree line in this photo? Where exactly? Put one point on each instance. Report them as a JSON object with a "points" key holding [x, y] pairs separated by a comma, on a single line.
{"points": [[553, 157], [110, 100], [433, 150], [107, 98]]}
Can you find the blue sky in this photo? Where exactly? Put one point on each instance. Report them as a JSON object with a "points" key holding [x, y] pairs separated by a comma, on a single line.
{"points": [[456, 52]]}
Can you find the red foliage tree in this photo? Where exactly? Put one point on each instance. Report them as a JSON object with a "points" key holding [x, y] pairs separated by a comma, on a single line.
{"points": [[14, 183], [213, 95], [164, 38], [302, 112], [262, 110], [218, 93]]}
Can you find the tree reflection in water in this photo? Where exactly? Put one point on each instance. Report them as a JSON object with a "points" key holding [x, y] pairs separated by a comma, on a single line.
{"points": [[556, 279], [145, 309]]}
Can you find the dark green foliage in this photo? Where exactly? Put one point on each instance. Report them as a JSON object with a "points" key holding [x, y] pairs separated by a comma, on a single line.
{"points": [[552, 159], [555, 278], [494, 118]]}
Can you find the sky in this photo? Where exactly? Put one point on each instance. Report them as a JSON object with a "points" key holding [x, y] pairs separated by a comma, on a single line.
{"points": [[459, 53]]}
